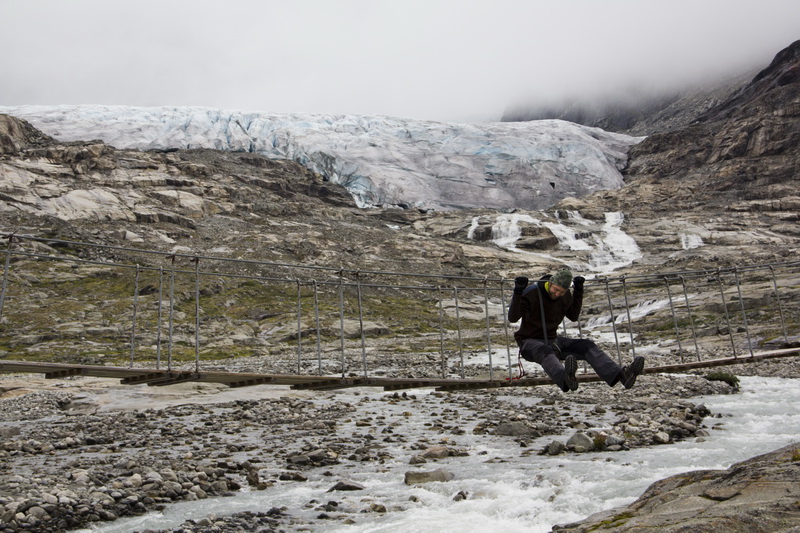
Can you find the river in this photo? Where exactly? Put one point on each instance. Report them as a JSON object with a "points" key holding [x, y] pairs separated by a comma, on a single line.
{"points": [[507, 491]]}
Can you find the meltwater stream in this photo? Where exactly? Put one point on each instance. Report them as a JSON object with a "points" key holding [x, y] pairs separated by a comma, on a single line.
{"points": [[507, 491]]}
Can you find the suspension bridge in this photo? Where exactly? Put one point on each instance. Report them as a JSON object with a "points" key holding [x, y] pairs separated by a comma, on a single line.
{"points": [[72, 309]]}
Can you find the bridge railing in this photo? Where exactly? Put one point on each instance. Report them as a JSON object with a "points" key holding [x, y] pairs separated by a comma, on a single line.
{"points": [[75, 302]]}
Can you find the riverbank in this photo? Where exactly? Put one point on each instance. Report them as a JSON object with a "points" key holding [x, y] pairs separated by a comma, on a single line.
{"points": [[83, 452]]}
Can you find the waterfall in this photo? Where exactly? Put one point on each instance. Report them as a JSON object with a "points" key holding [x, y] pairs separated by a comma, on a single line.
{"points": [[689, 242], [615, 248], [608, 246]]}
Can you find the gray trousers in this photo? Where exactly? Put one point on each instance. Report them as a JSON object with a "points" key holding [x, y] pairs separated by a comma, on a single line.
{"points": [[537, 351]]}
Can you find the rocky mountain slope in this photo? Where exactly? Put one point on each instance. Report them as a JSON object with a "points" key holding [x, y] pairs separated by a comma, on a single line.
{"points": [[714, 192], [744, 152]]}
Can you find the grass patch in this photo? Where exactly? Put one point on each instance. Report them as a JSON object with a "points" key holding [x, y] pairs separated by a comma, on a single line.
{"points": [[727, 377], [615, 521]]}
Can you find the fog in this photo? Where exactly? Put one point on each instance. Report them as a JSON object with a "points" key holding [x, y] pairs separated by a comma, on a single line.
{"points": [[449, 60]]}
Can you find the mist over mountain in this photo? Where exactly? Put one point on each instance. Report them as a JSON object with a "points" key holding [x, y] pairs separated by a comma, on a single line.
{"points": [[636, 111]]}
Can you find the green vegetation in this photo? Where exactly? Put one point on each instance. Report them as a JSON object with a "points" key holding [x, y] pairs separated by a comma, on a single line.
{"points": [[599, 442], [615, 521], [728, 378]]}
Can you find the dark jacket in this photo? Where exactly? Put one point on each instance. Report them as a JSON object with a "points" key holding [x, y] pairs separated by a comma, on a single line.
{"points": [[526, 306]]}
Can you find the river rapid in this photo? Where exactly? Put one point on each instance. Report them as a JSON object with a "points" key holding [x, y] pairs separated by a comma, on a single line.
{"points": [[498, 485]]}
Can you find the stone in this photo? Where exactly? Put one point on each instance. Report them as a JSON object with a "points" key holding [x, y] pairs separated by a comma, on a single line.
{"points": [[346, 486], [580, 442], [300, 460], [661, 437], [515, 429], [417, 478], [555, 448], [435, 452]]}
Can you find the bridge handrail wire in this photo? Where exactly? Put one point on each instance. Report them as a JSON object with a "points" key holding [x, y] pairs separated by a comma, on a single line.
{"points": [[651, 278], [485, 287]]}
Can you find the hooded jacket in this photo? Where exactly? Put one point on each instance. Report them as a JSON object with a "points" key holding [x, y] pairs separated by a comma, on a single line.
{"points": [[527, 307]]}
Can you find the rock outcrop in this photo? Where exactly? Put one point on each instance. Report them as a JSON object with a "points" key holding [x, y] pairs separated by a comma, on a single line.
{"points": [[745, 150], [759, 495]]}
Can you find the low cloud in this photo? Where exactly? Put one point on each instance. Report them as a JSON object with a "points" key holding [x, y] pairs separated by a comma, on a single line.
{"points": [[431, 59]]}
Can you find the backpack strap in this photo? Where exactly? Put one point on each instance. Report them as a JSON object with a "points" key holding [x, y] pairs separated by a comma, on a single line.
{"points": [[541, 310]]}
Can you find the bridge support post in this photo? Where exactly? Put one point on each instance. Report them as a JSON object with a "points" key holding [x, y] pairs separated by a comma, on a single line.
{"points": [[744, 311], [674, 319], [780, 306], [458, 331], [691, 317], [505, 329], [319, 335], [361, 325], [6, 268], [441, 332], [488, 326], [196, 313], [160, 315], [135, 309], [628, 312], [171, 313], [725, 308], [613, 320], [341, 319], [299, 325]]}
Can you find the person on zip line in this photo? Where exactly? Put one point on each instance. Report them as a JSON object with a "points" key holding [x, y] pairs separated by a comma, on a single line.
{"points": [[542, 306]]}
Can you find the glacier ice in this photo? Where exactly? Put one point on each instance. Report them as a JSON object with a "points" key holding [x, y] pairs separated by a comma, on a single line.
{"points": [[382, 161]]}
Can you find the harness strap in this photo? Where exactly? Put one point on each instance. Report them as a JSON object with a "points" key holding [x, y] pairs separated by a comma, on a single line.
{"points": [[541, 310], [521, 373], [520, 369]]}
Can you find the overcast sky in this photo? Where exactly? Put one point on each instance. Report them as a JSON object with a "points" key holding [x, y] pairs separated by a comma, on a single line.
{"points": [[426, 59]]}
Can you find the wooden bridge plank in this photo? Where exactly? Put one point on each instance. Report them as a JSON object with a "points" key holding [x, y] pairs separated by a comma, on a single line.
{"points": [[163, 377]]}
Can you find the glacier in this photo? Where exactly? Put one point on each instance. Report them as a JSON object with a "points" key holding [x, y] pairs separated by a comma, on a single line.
{"points": [[382, 161]]}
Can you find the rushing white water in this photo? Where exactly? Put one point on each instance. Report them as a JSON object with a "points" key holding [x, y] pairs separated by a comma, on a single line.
{"points": [[615, 248], [607, 245], [507, 491], [689, 242], [640, 310]]}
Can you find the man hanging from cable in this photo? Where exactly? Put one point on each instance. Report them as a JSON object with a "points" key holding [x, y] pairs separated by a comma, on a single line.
{"points": [[542, 306]]}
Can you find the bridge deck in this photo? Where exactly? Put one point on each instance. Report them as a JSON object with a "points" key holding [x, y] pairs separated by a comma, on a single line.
{"points": [[163, 377]]}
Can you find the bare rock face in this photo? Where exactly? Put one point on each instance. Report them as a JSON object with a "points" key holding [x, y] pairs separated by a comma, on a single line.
{"points": [[745, 149], [213, 202], [17, 134], [754, 496]]}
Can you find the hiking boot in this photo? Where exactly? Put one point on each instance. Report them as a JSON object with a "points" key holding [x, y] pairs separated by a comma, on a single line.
{"points": [[630, 372], [570, 367]]}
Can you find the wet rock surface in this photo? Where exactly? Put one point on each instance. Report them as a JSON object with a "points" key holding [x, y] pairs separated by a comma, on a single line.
{"points": [[753, 496]]}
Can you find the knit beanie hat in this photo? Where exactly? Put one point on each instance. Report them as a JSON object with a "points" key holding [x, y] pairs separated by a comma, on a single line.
{"points": [[562, 278]]}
